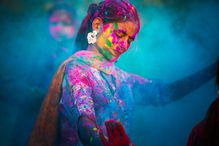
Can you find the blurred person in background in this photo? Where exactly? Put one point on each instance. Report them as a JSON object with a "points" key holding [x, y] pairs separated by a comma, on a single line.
{"points": [[62, 26]]}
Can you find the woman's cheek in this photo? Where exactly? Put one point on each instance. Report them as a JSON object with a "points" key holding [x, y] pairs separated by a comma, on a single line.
{"points": [[101, 42], [114, 39], [106, 41], [122, 44]]}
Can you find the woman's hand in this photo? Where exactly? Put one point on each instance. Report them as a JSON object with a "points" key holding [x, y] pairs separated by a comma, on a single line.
{"points": [[116, 135]]}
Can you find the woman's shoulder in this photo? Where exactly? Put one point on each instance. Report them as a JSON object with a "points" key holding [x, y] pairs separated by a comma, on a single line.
{"points": [[121, 74], [75, 62]]}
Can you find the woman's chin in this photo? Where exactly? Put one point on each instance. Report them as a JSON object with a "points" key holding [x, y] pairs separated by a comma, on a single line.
{"points": [[114, 58]]}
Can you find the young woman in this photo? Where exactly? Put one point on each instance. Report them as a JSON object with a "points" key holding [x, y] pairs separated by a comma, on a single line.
{"points": [[88, 89]]}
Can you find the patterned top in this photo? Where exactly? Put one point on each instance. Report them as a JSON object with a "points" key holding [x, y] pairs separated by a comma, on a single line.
{"points": [[95, 87]]}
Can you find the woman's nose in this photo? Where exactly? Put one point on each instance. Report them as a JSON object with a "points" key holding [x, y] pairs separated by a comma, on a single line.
{"points": [[126, 44], [59, 27]]}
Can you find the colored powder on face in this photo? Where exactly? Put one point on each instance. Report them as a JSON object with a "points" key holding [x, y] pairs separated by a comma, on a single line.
{"points": [[110, 39], [114, 38], [108, 30], [101, 40], [108, 42]]}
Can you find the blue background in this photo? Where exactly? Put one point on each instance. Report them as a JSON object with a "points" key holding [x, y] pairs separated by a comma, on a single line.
{"points": [[177, 38]]}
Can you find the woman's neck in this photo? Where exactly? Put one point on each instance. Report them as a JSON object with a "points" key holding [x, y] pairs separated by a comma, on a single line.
{"points": [[93, 48]]}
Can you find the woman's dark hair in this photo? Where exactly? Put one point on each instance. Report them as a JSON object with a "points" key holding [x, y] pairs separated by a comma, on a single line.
{"points": [[211, 128], [109, 11]]}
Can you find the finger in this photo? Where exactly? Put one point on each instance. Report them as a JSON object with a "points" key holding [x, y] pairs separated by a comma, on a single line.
{"points": [[116, 131], [103, 138], [122, 132], [121, 128], [110, 129]]}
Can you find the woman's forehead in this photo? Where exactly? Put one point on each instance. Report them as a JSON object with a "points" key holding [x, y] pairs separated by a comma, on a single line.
{"points": [[129, 27]]}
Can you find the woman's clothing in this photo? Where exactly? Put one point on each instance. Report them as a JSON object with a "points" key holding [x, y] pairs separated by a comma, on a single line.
{"points": [[94, 87], [87, 84]]}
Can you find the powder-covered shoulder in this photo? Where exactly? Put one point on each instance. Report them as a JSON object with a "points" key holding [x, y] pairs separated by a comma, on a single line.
{"points": [[121, 74], [130, 77], [77, 65]]}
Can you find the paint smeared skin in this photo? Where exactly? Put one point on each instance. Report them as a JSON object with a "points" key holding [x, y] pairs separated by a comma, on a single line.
{"points": [[115, 39]]}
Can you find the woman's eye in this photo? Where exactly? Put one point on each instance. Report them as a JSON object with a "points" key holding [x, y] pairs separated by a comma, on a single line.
{"points": [[130, 40], [120, 34]]}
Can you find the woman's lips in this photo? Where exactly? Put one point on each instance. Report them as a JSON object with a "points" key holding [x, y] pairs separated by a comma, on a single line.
{"points": [[116, 53], [120, 50]]}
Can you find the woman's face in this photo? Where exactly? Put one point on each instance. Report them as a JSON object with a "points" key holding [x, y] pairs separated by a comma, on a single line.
{"points": [[61, 26], [115, 38]]}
